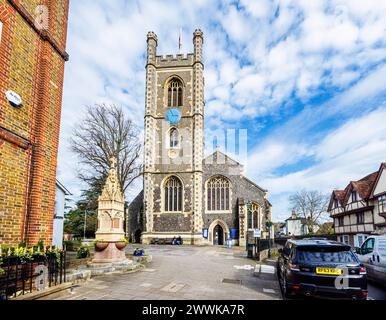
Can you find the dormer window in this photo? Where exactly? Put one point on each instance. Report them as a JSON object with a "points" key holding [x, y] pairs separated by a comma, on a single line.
{"points": [[336, 203], [354, 196]]}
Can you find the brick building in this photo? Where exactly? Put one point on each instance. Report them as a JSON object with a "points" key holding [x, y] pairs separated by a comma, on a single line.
{"points": [[202, 200], [32, 57]]}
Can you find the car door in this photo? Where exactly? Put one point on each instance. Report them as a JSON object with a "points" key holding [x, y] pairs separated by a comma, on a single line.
{"points": [[366, 255], [379, 260]]}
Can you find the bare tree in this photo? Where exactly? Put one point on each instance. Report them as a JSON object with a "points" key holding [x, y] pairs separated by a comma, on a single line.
{"points": [[106, 132], [311, 205]]}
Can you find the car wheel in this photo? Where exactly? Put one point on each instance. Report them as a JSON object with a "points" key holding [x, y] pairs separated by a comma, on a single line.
{"points": [[284, 289]]}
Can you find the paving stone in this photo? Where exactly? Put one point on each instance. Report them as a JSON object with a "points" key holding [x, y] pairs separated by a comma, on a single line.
{"points": [[265, 290], [182, 273], [146, 285], [173, 287]]}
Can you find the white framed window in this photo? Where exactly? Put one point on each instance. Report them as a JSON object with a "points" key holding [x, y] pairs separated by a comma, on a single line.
{"points": [[174, 138], [345, 240], [360, 238], [382, 203]]}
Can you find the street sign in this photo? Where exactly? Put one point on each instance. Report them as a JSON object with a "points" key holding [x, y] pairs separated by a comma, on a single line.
{"points": [[256, 233]]}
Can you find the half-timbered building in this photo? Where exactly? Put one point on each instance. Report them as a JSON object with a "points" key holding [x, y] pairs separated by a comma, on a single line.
{"points": [[360, 209]]}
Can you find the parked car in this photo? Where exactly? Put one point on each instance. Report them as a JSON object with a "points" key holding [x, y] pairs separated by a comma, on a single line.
{"points": [[321, 268], [372, 254]]}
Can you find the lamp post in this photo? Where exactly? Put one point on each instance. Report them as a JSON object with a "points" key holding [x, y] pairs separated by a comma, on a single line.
{"points": [[85, 223], [248, 246], [268, 225], [85, 204]]}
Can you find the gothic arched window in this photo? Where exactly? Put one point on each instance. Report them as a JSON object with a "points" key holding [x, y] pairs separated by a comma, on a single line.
{"points": [[218, 194], [174, 138], [249, 220], [173, 194], [175, 93], [255, 216], [255, 219]]}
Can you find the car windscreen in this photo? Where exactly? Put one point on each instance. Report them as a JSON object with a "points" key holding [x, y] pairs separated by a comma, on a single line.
{"points": [[333, 254]]}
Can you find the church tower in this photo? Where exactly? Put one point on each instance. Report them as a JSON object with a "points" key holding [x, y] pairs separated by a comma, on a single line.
{"points": [[174, 143]]}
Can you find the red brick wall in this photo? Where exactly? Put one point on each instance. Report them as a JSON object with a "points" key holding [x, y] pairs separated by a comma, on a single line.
{"points": [[31, 64]]}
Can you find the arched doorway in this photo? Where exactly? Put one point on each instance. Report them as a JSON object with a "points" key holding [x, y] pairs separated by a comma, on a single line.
{"points": [[218, 235], [218, 232], [137, 236]]}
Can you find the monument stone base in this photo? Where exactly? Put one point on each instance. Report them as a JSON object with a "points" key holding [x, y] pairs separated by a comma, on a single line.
{"points": [[109, 255]]}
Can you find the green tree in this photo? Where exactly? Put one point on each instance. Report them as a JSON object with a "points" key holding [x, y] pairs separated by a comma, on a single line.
{"points": [[74, 222], [326, 228]]}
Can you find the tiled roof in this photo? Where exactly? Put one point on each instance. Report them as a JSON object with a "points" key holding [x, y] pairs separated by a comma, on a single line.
{"points": [[340, 195], [363, 186]]}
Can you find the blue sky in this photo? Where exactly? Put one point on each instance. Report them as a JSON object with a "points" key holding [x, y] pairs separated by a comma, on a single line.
{"points": [[307, 79]]}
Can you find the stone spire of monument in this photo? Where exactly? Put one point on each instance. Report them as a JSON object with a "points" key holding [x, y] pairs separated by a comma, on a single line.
{"points": [[112, 189]]}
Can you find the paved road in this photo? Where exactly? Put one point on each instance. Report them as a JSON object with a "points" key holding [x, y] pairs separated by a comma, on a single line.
{"points": [[183, 272], [376, 292]]}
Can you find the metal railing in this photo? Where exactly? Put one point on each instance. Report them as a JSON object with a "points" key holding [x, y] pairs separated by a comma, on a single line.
{"points": [[20, 276]]}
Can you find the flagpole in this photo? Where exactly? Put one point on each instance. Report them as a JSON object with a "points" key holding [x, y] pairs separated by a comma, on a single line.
{"points": [[180, 41]]}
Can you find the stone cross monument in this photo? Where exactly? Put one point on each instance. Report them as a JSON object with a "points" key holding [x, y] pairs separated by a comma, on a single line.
{"points": [[110, 219]]}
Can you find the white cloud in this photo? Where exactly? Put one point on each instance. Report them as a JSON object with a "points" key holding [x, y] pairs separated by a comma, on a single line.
{"points": [[247, 88], [348, 153], [260, 57]]}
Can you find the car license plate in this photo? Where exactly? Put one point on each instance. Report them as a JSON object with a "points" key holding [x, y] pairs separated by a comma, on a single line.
{"points": [[332, 271]]}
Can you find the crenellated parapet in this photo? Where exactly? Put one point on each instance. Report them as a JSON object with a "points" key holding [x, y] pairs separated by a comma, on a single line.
{"points": [[151, 47], [177, 60]]}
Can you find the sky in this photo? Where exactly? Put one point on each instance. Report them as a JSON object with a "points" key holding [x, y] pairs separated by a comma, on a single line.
{"points": [[305, 79]]}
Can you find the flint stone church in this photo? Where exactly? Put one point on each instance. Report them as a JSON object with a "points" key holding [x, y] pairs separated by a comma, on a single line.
{"points": [[205, 201]]}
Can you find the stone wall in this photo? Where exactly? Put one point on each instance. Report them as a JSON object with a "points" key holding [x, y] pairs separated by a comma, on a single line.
{"points": [[134, 216], [172, 222], [161, 161], [240, 188]]}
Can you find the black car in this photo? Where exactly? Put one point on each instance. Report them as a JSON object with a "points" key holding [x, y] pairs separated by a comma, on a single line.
{"points": [[321, 268]]}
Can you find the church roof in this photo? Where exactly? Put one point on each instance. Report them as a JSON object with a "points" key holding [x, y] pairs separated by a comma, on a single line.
{"points": [[230, 161], [217, 153], [254, 184]]}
